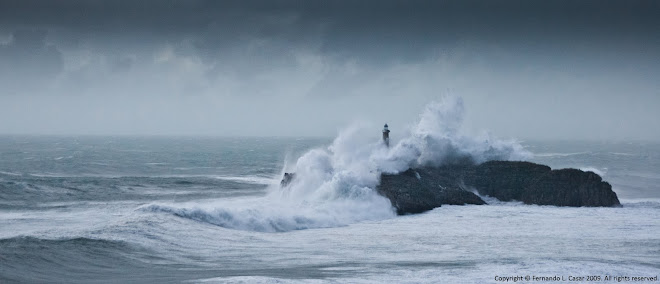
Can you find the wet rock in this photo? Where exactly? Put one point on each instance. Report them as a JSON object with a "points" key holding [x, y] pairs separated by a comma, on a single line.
{"points": [[422, 189]]}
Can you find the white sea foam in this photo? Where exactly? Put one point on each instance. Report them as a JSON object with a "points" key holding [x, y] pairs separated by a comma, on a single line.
{"points": [[335, 186], [261, 180], [600, 172], [641, 203], [622, 154], [249, 179], [559, 154]]}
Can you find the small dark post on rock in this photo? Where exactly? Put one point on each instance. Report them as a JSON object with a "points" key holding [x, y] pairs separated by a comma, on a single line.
{"points": [[386, 135]]}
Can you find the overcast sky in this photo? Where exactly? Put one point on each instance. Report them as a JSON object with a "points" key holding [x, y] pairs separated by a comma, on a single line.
{"points": [[525, 69]]}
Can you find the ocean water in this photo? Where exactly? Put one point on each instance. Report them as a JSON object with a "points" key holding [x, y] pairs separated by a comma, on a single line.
{"points": [[191, 209], [168, 209]]}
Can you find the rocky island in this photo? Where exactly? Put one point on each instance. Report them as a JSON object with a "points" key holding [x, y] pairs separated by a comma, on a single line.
{"points": [[421, 189]]}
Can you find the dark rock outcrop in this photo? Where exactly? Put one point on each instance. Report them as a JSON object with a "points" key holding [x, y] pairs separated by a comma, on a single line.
{"points": [[419, 190], [422, 189], [538, 184], [503, 180]]}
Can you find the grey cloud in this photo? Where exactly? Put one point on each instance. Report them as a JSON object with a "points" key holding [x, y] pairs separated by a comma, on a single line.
{"points": [[307, 67], [27, 62], [122, 64], [377, 29]]}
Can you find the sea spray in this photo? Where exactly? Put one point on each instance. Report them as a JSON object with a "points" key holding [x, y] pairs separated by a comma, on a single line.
{"points": [[436, 140], [335, 186]]}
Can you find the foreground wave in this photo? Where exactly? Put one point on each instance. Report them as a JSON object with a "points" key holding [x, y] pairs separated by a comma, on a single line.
{"points": [[31, 259], [271, 214]]}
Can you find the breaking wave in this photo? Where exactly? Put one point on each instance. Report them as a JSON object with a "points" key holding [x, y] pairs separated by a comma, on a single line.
{"points": [[600, 172], [335, 186]]}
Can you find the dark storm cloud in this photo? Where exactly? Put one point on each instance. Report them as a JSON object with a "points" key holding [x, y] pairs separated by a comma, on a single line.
{"points": [[378, 30], [251, 36], [189, 66]]}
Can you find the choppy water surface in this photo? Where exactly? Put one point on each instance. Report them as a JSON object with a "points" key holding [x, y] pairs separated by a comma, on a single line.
{"points": [[117, 209]]}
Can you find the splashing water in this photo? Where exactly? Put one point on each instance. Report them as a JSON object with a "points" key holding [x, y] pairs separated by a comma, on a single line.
{"points": [[436, 140], [336, 186]]}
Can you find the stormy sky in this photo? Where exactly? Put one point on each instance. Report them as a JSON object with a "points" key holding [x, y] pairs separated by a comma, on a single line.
{"points": [[525, 69]]}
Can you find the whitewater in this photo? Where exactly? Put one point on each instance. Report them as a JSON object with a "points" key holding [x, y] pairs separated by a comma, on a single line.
{"points": [[335, 186], [186, 209]]}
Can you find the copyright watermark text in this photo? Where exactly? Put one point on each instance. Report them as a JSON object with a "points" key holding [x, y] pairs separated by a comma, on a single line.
{"points": [[577, 278]]}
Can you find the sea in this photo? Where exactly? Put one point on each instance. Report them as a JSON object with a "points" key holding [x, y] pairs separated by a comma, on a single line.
{"points": [[122, 209]]}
